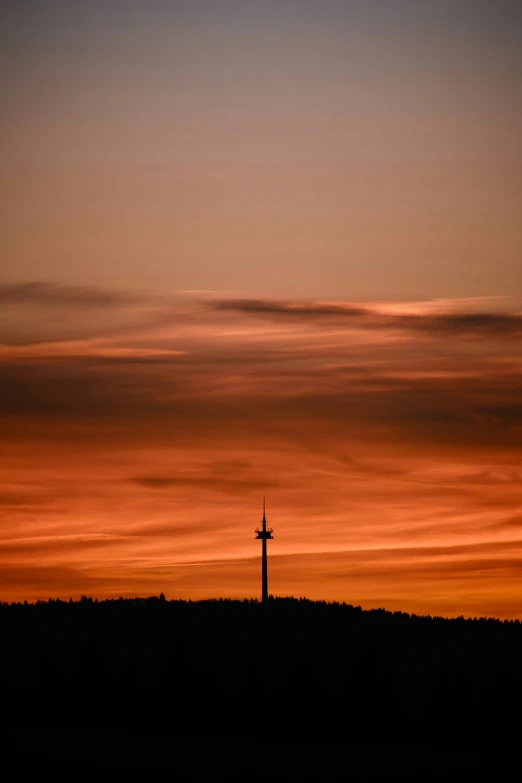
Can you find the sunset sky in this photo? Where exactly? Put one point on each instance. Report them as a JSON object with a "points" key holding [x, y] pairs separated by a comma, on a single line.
{"points": [[255, 248]]}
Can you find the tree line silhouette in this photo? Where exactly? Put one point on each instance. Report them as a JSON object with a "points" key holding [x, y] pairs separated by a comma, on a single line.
{"points": [[294, 668]]}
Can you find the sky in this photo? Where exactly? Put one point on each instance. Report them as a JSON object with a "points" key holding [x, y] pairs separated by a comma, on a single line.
{"points": [[252, 249]]}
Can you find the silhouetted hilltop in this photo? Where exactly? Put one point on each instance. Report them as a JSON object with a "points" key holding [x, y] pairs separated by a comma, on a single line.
{"points": [[223, 668]]}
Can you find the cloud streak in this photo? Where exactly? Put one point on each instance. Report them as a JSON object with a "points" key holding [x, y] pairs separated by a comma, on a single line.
{"points": [[289, 309], [470, 323], [55, 295], [209, 482]]}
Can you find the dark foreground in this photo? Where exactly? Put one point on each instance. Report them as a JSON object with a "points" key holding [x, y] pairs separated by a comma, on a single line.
{"points": [[149, 683]]}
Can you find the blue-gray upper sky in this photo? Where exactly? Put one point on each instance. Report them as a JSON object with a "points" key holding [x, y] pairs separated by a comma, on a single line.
{"points": [[329, 148]]}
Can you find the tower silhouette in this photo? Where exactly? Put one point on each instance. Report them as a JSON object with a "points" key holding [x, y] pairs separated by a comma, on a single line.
{"points": [[264, 533]]}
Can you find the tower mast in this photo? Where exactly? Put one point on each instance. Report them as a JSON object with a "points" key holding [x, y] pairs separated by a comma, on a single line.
{"points": [[264, 533]]}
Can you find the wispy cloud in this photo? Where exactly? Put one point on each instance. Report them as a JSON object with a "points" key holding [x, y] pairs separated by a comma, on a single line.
{"points": [[468, 323], [33, 313], [289, 309], [101, 348], [227, 485], [57, 295]]}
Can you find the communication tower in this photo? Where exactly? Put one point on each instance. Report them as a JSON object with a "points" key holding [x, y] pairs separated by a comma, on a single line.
{"points": [[264, 533]]}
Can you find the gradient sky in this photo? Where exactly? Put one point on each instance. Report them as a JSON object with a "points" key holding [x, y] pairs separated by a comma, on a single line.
{"points": [[251, 248]]}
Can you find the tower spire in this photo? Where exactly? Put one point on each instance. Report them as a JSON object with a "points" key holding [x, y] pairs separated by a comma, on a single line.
{"points": [[264, 533]]}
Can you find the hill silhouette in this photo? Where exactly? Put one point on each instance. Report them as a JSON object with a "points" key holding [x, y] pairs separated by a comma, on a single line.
{"points": [[292, 669]]}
